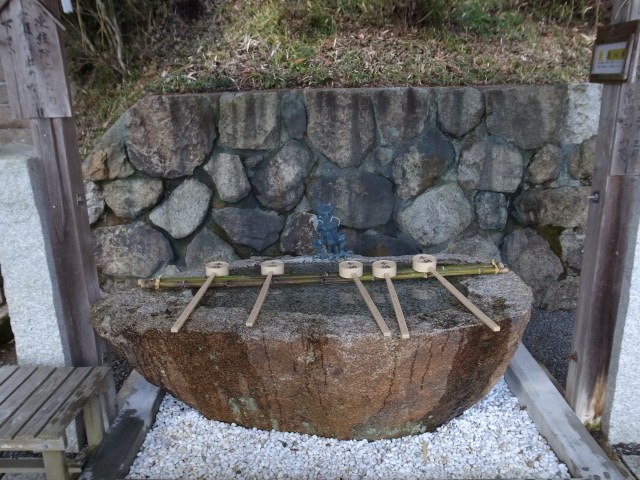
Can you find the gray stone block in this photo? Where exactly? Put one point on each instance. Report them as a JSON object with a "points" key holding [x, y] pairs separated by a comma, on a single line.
{"points": [[400, 113], [491, 209], [129, 198], [531, 257], [459, 109], [134, 250], [572, 243], [561, 207], [229, 177], [361, 200], [341, 124], [436, 216], [294, 114], [254, 228], [25, 253], [108, 159], [506, 115], [206, 247], [249, 120], [581, 112], [490, 166], [564, 296], [94, 201], [185, 209], [476, 245], [416, 170], [545, 165], [299, 231], [280, 183], [582, 160], [169, 136]]}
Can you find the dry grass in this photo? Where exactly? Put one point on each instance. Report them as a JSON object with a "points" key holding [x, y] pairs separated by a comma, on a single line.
{"points": [[266, 44]]}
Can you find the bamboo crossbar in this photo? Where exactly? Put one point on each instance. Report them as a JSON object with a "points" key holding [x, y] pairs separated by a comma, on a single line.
{"points": [[232, 281]]}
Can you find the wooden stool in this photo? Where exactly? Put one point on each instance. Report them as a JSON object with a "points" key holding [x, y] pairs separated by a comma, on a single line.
{"points": [[37, 404]]}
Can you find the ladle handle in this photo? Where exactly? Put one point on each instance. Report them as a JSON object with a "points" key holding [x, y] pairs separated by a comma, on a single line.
{"points": [[256, 308], [466, 302], [372, 307], [404, 331], [192, 305]]}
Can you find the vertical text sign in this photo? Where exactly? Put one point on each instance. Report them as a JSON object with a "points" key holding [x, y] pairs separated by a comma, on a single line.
{"points": [[626, 155], [33, 61]]}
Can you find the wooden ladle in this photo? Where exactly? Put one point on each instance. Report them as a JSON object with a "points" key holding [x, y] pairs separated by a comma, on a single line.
{"points": [[353, 269], [427, 264], [212, 269], [387, 269], [268, 268]]}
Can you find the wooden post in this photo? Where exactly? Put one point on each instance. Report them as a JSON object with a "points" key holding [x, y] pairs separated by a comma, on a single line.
{"points": [[33, 59], [615, 181]]}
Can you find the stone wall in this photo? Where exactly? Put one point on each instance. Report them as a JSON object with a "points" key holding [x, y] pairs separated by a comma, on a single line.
{"points": [[496, 173]]}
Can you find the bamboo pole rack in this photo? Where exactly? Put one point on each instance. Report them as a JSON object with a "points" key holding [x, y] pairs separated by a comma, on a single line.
{"points": [[233, 281]]}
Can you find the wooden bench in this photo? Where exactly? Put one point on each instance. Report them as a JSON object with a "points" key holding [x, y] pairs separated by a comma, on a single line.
{"points": [[37, 404]]}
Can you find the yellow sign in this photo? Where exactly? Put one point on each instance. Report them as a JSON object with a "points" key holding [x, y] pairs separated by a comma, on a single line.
{"points": [[617, 54]]}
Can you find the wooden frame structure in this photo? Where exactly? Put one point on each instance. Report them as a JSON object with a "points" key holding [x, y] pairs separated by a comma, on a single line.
{"points": [[33, 58], [615, 183]]}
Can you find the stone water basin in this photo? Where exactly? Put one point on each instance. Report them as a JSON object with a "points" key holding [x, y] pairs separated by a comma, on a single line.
{"points": [[315, 362]]}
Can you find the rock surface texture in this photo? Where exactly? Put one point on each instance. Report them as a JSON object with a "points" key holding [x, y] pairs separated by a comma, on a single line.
{"points": [[341, 124], [228, 175], [401, 114], [128, 198], [183, 212], [170, 136], [254, 228], [490, 166], [361, 200], [436, 216], [531, 257], [525, 117], [280, 183], [315, 362], [459, 109], [249, 121], [560, 207], [133, 250]]}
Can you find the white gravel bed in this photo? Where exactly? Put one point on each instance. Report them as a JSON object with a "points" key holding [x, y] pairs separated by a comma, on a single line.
{"points": [[493, 439]]}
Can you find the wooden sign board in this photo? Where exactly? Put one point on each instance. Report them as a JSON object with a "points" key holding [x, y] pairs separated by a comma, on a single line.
{"points": [[615, 53], [33, 61]]}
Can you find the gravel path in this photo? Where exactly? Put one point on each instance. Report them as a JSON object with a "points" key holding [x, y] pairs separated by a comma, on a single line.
{"points": [[494, 439], [548, 339]]}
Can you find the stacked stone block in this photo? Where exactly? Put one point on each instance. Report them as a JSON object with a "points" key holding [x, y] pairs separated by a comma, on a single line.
{"points": [[496, 173]]}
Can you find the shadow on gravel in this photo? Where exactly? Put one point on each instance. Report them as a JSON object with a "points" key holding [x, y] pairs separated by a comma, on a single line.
{"points": [[548, 339]]}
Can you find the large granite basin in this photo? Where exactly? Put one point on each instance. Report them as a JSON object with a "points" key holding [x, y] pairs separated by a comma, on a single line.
{"points": [[316, 362]]}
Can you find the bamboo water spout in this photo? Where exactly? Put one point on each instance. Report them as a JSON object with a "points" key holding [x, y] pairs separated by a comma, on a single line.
{"points": [[234, 281]]}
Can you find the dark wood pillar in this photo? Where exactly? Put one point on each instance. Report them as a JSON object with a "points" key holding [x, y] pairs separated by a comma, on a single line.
{"points": [[615, 182]]}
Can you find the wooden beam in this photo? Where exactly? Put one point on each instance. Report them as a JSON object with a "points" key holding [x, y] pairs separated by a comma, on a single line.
{"points": [[555, 421], [603, 268]]}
